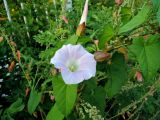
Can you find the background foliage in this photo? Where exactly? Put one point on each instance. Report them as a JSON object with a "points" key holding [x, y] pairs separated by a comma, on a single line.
{"points": [[126, 85]]}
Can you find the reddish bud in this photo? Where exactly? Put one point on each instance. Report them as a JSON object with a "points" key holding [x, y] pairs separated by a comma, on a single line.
{"points": [[118, 2], [12, 43], [11, 67], [146, 37], [27, 91], [101, 56], [52, 98], [96, 42], [64, 18], [1, 39], [138, 76], [18, 55], [1, 19]]}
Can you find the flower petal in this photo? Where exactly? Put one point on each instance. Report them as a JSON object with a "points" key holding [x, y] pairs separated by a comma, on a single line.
{"points": [[60, 57], [75, 51], [72, 77], [88, 65]]}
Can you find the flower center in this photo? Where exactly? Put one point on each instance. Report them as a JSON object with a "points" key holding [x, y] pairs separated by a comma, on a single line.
{"points": [[72, 65], [72, 68]]}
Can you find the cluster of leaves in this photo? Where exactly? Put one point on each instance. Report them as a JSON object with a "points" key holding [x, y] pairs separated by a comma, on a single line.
{"points": [[128, 32]]}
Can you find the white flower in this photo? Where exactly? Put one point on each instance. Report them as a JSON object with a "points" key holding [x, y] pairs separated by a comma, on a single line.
{"points": [[75, 63]]}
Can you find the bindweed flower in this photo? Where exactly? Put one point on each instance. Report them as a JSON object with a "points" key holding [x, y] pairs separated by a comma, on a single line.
{"points": [[75, 63]]}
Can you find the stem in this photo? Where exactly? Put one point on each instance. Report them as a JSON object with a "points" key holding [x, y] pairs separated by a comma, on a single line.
{"points": [[14, 54], [25, 20]]}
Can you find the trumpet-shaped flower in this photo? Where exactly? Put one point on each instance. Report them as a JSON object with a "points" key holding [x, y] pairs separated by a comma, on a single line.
{"points": [[75, 63]]}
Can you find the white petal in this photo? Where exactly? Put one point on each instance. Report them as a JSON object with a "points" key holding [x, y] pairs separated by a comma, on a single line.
{"points": [[60, 57], [72, 77], [88, 65], [75, 51], [66, 53]]}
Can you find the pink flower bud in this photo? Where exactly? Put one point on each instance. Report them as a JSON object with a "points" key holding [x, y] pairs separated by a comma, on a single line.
{"points": [[52, 98], [64, 18], [1, 39], [118, 2], [96, 42], [138, 76], [101, 56], [82, 25]]}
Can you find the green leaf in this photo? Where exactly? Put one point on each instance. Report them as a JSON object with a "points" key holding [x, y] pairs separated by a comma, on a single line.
{"points": [[45, 38], [65, 95], [15, 107], [95, 95], [126, 14], [33, 101], [107, 34], [83, 39], [118, 75], [158, 16], [137, 20], [54, 114], [47, 54], [147, 54], [156, 4], [72, 40], [0, 111]]}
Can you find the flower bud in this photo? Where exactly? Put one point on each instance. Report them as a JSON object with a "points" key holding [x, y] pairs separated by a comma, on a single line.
{"points": [[1, 19], [52, 98], [11, 67], [27, 90], [13, 44], [118, 2], [101, 56], [18, 54], [96, 42], [84, 14], [138, 76], [1, 39], [82, 25], [64, 18]]}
